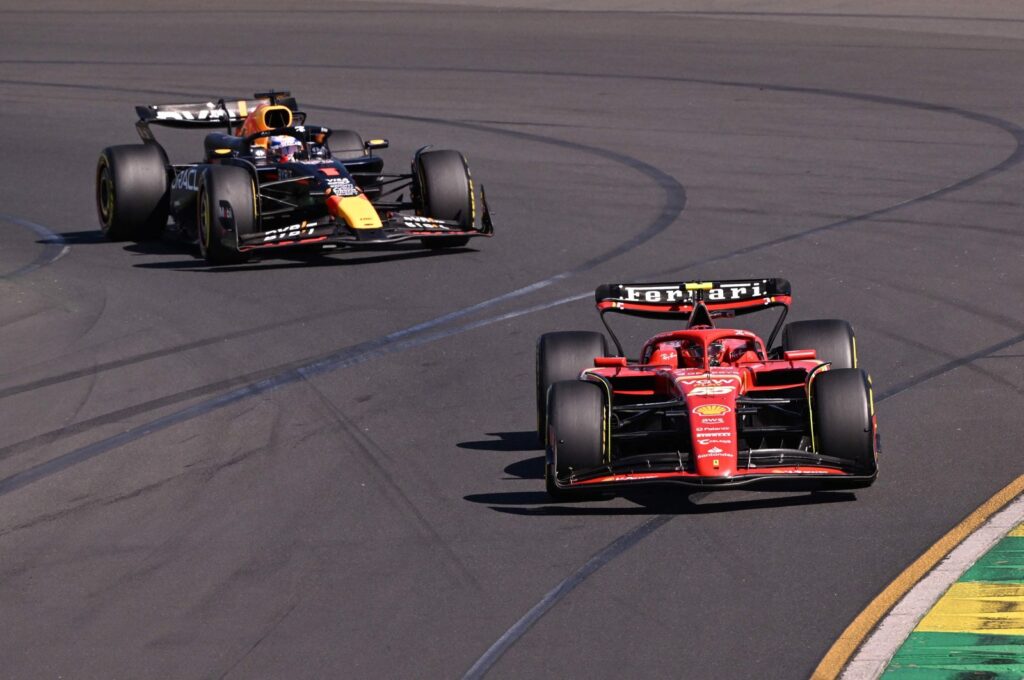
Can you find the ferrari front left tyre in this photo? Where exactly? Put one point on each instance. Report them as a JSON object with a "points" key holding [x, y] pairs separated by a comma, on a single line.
{"points": [[844, 424], [132, 192]]}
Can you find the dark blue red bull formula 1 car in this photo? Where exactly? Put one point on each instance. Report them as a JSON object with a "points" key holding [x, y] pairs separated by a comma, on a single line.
{"points": [[271, 181], [704, 406]]}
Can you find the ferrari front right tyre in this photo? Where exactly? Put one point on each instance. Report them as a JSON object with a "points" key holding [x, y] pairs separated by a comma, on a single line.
{"points": [[832, 339], [132, 192], [562, 355], [576, 413]]}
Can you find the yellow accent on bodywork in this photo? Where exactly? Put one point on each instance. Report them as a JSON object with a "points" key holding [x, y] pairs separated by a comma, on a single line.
{"points": [[222, 152], [853, 339], [358, 212], [1018, 532], [698, 285], [243, 108], [871, 397]]}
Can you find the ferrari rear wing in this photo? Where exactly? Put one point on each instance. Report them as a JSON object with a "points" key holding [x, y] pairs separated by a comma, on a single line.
{"points": [[678, 300], [697, 301]]}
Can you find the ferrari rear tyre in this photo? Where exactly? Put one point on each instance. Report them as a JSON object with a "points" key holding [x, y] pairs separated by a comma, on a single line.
{"points": [[575, 435], [843, 419], [832, 339], [347, 145], [445, 192], [226, 205], [132, 192], [562, 356]]}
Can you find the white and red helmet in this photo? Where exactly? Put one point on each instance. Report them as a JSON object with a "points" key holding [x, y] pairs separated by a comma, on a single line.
{"points": [[283, 147]]}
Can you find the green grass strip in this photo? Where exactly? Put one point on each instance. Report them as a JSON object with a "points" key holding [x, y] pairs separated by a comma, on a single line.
{"points": [[958, 656]]}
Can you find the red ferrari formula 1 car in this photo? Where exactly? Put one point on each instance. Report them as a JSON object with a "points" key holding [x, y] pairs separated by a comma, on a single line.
{"points": [[705, 407], [268, 180]]}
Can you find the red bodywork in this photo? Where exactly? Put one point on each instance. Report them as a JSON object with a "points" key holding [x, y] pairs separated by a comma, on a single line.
{"points": [[710, 394], [721, 385]]}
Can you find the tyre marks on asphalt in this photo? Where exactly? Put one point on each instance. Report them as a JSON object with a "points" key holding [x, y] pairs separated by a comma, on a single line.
{"points": [[373, 457], [160, 353], [54, 245], [617, 547]]}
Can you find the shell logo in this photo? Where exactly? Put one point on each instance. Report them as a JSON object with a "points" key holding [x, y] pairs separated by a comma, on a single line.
{"points": [[712, 410]]}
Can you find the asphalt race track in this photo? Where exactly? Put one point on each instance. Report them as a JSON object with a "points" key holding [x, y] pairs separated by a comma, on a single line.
{"points": [[324, 466]]}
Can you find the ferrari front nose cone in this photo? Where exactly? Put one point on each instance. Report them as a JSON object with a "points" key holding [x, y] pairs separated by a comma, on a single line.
{"points": [[711, 399]]}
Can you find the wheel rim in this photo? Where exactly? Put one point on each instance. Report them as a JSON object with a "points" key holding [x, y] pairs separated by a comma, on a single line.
{"points": [[105, 193], [205, 219]]}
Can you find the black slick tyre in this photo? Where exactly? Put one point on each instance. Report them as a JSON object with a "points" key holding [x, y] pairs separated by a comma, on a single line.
{"points": [[445, 192], [226, 207], [843, 419], [575, 434], [132, 192], [347, 145], [832, 339], [562, 355]]}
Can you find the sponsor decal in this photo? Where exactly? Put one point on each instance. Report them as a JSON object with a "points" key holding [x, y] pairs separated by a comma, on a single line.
{"points": [[342, 186], [673, 293], [186, 180], [202, 114], [735, 291], [420, 222], [713, 421], [705, 442], [708, 382], [714, 449], [712, 410], [656, 294], [291, 232], [712, 391], [666, 356], [329, 171], [720, 428], [719, 454]]}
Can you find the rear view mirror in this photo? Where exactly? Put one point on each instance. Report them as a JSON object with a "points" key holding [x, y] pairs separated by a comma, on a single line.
{"points": [[609, 362], [799, 354]]}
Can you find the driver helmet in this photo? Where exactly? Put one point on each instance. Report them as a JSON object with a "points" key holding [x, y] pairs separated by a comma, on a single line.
{"points": [[284, 147], [692, 353], [715, 351]]}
